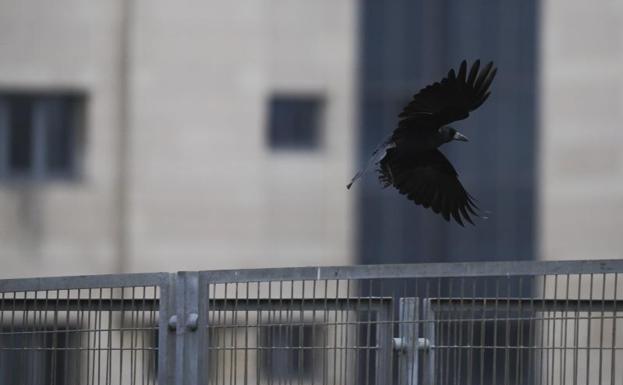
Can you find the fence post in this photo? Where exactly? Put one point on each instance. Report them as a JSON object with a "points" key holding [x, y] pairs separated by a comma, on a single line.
{"points": [[186, 325], [408, 344], [167, 319], [429, 335]]}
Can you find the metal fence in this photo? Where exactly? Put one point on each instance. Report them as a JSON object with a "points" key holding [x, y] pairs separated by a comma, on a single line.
{"points": [[537, 323]]}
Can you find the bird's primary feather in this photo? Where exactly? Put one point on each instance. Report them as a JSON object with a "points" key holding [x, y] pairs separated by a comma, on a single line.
{"points": [[449, 100]]}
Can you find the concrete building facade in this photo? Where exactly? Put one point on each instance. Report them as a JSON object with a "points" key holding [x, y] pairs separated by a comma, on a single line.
{"points": [[176, 171], [173, 168]]}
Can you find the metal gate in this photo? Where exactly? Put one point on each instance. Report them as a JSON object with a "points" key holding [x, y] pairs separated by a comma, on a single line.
{"points": [[541, 323]]}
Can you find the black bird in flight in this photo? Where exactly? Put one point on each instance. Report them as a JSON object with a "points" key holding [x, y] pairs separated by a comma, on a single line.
{"points": [[410, 159]]}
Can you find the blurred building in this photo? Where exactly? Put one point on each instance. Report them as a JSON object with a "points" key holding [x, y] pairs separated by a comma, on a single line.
{"points": [[151, 135], [178, 151]]}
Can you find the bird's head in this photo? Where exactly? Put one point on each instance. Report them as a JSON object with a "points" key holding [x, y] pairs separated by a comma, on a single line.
{"points": [[449, 134]]}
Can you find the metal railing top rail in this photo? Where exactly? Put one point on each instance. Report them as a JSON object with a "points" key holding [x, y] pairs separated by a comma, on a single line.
{"points": [[83, 282], [310, 273], [416, 270]]}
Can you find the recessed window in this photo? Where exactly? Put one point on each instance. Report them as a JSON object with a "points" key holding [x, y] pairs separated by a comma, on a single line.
{"points": [[39, 135], [291, 351], [38, 356], [295, 122]]}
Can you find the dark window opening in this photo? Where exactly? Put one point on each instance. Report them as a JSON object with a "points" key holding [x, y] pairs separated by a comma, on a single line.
{"points": [[39, 135], [294, 122], [291, 351], [38, 357]]}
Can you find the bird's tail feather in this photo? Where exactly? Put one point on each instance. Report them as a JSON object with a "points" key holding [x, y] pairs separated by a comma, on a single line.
{"points": [[377, 156]]}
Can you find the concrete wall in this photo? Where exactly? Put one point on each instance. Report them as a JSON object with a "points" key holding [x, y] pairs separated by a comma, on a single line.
{"points": [[581, 130], [206, 191], [200, 189], [63, 228]]}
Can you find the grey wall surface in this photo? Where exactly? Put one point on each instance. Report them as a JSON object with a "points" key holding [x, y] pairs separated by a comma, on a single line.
{"points": [[406, 45]]}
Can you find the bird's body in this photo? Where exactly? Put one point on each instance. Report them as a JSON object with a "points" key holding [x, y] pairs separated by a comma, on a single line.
{"points": [[410, 159]]}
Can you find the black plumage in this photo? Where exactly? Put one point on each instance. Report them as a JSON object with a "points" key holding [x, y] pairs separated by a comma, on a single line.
{"points": [[410, 159]]}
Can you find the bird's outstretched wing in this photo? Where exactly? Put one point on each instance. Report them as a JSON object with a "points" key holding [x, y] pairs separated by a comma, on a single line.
{"points": [[449, 100], [428, 179]]}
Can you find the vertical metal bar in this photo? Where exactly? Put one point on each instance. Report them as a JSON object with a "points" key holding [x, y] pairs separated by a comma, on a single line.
{"points": [[565, 315], [368, 332], [246, 337], [429, 334], [347, 349], [220, 332], [459, 325], [55, 337], [495, 328], [167, 339], [109, 330], [470, 338], [145, 328], [301, 336], [313, 333], [189, 327], [270, 336], [613, 349], [520, 336], [234, 339], [447, 320], [588, 331], [576, 339], [576, 333], [408, 334], [335, 331], [554, 321], [384, 339], [359, 344], [204, 337], [507, 334], [399, 349], [339, 324], [531, 355], [290, 348], [601, 327], [68, 348], [97, 358], [80, 330], [121, 334], [161, 327], [259, 335], [543, 346], [26, 353], [482, 336], [134, 325]]}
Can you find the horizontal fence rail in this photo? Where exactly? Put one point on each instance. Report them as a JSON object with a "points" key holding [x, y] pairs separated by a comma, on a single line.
{"points": [[511, 323]]}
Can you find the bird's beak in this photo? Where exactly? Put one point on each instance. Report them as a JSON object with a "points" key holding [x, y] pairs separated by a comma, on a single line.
{"points": [[461, 137]]}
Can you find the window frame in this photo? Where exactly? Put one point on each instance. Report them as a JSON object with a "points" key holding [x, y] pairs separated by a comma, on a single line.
{"points": [[318, 105], [43, 102]]}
